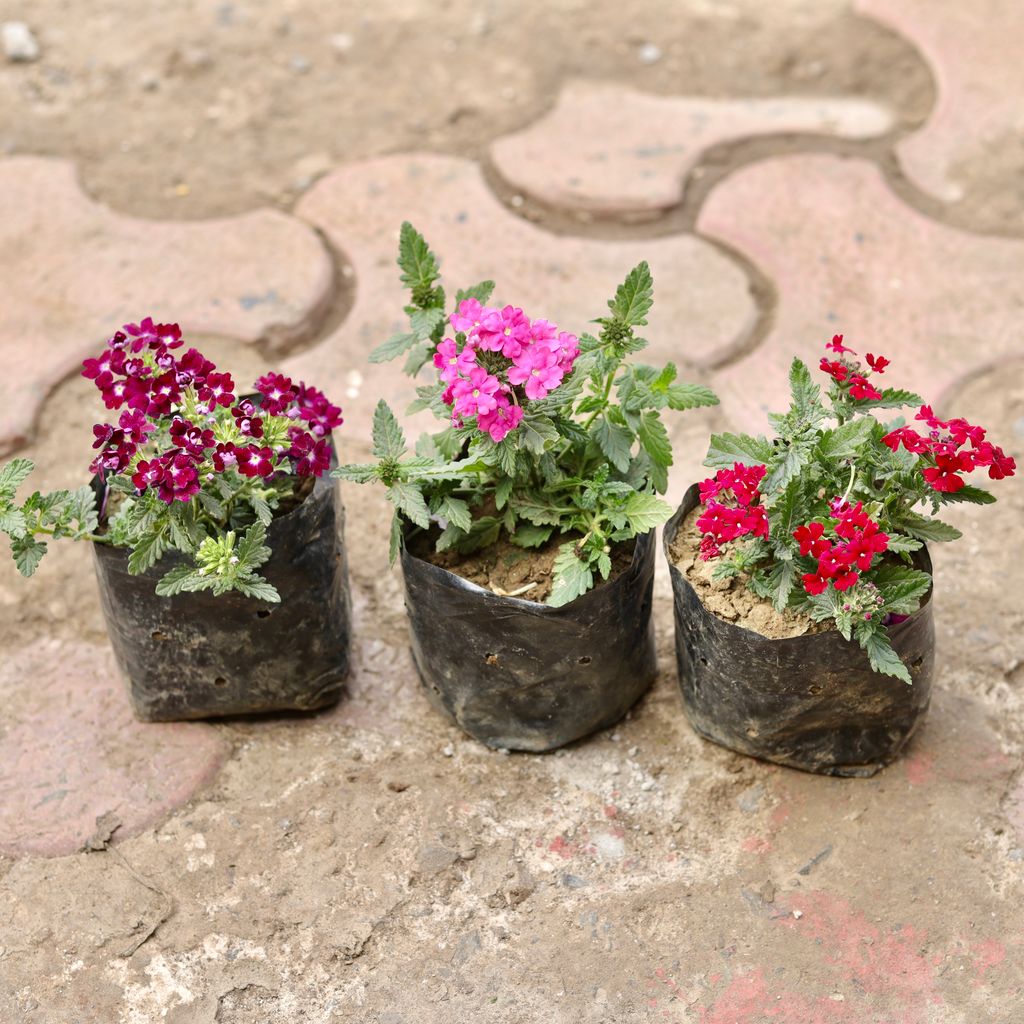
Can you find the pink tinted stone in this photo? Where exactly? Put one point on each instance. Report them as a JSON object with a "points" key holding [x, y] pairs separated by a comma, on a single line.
{"points": [[847, 256], [74, 271], [974, 51], [702, 311], [71, 750], [611, 150]]}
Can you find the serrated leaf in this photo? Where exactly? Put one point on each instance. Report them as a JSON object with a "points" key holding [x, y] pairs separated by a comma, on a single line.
{"points": [[12, 522], [902, 587], [424, 321], [967, 493], [13, 475], [727, 449], [644, 512], [388, 439], [527, 535], [357, 474], [571, 577], [654, 439], [419, 356], [481, 292], [182, 578], [396, 345], [689, 396], [928, 529], [781, 579], [806, 393], [395, 542], [604, 565], [27, 552], [846, 440], [634, 297], [882, 657], [615, 441], [263, 511], [502, 490], [537, 433], [409, 500], [456, 511], [252, 552], [785, 469], [900, 544], [258, 588], [786, 514], [892, 398], [147, 551], [418, 264]]}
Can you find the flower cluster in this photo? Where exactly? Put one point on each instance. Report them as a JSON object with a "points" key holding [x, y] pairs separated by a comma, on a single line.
{"points": [[739, 514], [849, 374], [199, 428], [498, 359], [944, 444], [844, 547]]}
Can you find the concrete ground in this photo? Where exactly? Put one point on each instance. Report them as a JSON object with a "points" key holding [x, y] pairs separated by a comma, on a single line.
{"points": [[790, 170]]}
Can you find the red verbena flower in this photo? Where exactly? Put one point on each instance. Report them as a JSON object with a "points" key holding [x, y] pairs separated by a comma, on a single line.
{"points": [[253, 461], [861, 389], [836, 345], [180, 481], [877, 363], [834, 368]]}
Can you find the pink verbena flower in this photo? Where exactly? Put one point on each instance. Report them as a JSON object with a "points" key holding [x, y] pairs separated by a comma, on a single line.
{"points": [[539, 369], [316, 411], [468, 317], [451, 363], [501, 421], [475, 395], [310, 456], [506, 331], [277, 392]]}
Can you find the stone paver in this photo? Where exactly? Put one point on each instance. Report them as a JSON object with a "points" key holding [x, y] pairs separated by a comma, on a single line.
{"points": [[606, 149], [73, 271], [847, 256], [973, 50], [72, 751], [702, 304]]}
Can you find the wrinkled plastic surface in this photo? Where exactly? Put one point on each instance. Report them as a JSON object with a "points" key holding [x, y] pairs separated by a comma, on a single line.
{"points": [[519, 675], [200, 656], [810, 702]]}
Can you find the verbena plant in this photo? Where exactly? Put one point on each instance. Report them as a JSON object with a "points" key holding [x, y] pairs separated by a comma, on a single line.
{"points": [[190, 467], [824, 518], [548, 435]]}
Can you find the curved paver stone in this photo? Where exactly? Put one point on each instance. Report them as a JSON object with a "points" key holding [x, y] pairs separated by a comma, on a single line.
{"points": [[847, 256], [611, 150], [703, 307], [71, 751], [74, 270], [973, 50]]}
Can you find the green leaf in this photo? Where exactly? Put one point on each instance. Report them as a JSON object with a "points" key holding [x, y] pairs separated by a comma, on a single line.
{"points": [[481, 292], [181, 578], [892, 398], [395, 543], [644, 512], [969, 493], [785, 469], [529, 536], [419, 355], [901, 544], [148, 550], [689, 396], [418, 264], [502, 490], [634, 297], [388, 439], [252, 552], [654, 439], [259, 588], [357, 474], [13, 475], [615, 441], [572, 577], [456, 511], [928, 529], [408, 499], [727, 449], [881, 655], [424, 321], [806, 393], [786, 515], [28, 553], [263, 511], [846, 440], [12, 522], [396, 345], [902, 588], [537, 433]]}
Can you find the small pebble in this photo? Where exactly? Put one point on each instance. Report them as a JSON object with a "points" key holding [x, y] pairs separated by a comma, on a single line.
{"points": [[633, 751], [20, 46], [647, 786], [649, 54], [448, 751], [798, 914], [341, 43]]}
